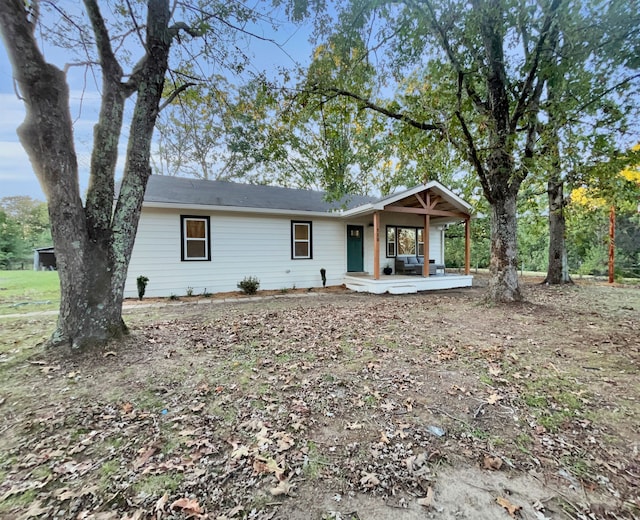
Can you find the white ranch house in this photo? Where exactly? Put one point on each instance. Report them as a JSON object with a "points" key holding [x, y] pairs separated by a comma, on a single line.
{"points": [[208, 235]]}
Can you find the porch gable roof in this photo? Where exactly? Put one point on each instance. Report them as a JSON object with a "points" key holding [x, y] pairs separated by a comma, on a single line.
{"points": [[441, 202]]}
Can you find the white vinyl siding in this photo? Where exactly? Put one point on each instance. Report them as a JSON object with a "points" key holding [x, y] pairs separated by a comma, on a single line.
{"points": [[242, 245]]}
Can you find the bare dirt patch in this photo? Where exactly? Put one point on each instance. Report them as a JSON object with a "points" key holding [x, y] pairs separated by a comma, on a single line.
{"points": [[339, 406]]}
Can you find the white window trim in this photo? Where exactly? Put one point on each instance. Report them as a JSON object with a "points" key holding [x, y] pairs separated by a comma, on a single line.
{"points": [[185, 240], [308, 241]]}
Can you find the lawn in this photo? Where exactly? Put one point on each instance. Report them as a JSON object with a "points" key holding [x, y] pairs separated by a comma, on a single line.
{"points": [[28, 291], [332, 406]]}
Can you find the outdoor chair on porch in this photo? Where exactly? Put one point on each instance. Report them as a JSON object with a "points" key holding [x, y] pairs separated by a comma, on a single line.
{"points": [[413, 265]]}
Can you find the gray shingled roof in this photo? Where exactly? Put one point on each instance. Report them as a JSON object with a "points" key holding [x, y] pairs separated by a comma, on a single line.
{"points": [[182, 190]]}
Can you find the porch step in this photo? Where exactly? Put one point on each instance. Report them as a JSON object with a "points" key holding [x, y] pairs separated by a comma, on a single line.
{"points": [[356, 287], [403, 289]]}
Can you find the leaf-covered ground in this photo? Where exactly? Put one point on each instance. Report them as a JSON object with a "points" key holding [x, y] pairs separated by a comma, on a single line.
{"points": [[333, 406]]}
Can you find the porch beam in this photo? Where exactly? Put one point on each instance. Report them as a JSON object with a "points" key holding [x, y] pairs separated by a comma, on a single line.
{"points": [[424, 204], [422, 211], [376, 245], [467, 246]]}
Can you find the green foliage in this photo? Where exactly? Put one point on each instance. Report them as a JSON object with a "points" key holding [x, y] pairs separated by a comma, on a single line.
{"points": [[249, 285], [24, 226]]}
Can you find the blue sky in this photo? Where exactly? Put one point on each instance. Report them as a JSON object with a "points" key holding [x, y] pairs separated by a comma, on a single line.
{"points": [[16, 174]]}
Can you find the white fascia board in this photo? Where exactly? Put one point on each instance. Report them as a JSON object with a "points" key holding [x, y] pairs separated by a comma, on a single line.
{"points": [[449, 194], [239, 209], [358, 211]]}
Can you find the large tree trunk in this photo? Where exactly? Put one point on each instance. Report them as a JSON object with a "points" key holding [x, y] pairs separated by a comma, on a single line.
{"points": [[503, 285], [93, 244], [557, 270]]}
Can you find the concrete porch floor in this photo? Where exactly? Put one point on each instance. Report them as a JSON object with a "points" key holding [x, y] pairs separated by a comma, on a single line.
{"points": [[404, 284]]}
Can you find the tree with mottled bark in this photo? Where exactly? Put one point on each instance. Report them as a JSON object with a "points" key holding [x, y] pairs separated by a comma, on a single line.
{"points": [[94, 238], [485, 68]]}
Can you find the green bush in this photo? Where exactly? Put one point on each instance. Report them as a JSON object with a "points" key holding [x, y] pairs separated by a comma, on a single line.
{"points": [[249, 285]]}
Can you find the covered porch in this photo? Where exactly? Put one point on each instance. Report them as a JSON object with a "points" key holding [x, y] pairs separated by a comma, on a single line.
{"points": [[403, 223], [405, 284]]}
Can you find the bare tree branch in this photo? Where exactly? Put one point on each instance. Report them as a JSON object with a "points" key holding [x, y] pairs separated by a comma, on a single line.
{"points": [[174, 95], [528, 87], [389, 113]]}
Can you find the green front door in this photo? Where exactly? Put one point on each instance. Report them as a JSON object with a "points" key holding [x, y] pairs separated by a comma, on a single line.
{"points": [[355, 249]]}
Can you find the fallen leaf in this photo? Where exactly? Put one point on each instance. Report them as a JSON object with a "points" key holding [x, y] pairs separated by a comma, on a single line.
{"points": [[127, 408], [161, 503], [428, 500], [284, 441], [284, 487], [492, 462], [144, 457], [189, 506], [36, 510], [511, 508], [494, 398], [239, 452], [369, 480], [494, 370], [198, 407]]}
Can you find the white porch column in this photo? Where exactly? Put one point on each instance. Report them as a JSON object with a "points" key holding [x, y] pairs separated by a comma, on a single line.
{"points": [[376, 245]]}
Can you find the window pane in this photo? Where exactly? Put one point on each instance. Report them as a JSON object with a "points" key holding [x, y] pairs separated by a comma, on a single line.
{"points": [[196, 229], [406, 241], [301, 249], [196, 249], [301, 231]]}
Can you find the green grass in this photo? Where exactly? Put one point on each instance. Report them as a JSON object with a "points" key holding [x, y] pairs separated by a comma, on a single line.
{"points": [[28, 291]]}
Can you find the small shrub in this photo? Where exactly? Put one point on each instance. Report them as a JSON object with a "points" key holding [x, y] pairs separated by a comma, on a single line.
{"points": [[249, 285], [173, 297], [141, 282], [189, 291], [206, 294]]}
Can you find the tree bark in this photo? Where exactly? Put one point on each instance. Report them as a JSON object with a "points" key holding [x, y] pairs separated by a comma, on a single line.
{"points": [[503, 284], [557, 270], [93, 244]]}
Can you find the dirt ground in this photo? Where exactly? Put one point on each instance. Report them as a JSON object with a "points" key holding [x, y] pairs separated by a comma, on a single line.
{"points": [[332, 405]]}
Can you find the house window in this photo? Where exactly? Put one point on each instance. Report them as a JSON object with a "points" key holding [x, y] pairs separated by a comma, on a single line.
{"points": [[196, 239], [301, 240], [404, 241], [391, 241]]}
